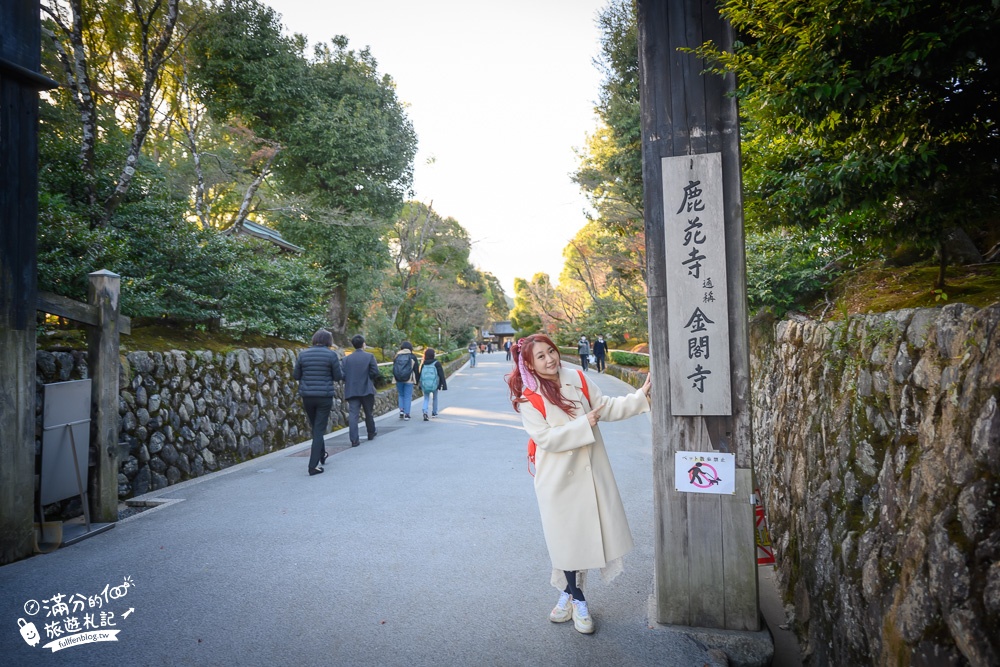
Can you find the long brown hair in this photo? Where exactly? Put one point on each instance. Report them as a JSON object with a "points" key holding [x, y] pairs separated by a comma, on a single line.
{"points": [[523, 349]]}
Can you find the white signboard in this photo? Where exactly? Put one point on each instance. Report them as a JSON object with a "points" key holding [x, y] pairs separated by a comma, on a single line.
{"points": [[705, 472], [697, 300]]}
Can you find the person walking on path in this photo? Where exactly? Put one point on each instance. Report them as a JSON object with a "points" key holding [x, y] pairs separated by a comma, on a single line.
{"points": [[583, 517], [583, 349], [432, 379], [506, 347], [600, 352], [360, 373], [473, 349], [404, 370], [316, 369]]}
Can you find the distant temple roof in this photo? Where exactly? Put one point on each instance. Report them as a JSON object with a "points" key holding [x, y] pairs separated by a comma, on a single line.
{"points": [[502, 329], [268, 234]]}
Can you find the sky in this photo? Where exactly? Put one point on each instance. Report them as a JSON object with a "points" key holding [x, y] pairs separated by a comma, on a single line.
{"points": [[500, 94]]}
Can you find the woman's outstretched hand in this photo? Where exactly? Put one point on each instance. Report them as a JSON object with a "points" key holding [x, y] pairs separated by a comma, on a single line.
{"points": [[647, 386], [594, 415]]}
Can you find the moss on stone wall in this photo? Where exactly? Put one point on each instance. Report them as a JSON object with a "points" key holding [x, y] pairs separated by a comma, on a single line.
{"points": [[877, 449]]}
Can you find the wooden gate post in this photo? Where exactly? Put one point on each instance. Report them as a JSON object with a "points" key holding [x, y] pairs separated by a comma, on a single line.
{"points": [[706, 571], [103, 294], [20, 60]]}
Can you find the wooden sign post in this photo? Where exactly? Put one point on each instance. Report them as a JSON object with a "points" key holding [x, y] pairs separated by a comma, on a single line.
{"points": [[706, 567], [20, 60]]}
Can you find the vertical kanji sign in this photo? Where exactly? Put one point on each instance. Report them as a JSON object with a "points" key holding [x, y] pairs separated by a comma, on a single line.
{"points": [[698, 308]]}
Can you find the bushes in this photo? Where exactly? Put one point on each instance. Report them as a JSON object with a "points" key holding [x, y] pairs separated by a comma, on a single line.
{"points": [[172, 270], [628, 359], [445, 357], [783, 268]]}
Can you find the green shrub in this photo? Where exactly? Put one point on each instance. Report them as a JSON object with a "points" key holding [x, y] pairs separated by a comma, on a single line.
{"points": [[785, 267], [629, 359], [447, 357], [384, 378]]}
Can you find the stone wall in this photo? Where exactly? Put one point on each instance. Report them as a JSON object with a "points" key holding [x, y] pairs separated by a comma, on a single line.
{"points": [[878, 456], [632, 376], [185, 414]]}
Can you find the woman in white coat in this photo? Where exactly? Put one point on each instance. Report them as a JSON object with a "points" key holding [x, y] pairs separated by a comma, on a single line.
{"points": [[583, 518]]}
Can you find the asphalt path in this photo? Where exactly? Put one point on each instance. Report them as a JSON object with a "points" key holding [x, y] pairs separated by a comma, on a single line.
{"points": [[422, 547]]}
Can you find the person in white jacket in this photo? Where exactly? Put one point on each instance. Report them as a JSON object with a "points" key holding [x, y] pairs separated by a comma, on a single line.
{"points": [[583, 518]]}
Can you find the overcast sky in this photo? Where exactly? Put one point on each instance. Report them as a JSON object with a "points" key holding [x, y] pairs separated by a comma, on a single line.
{"points": [[500, 95]]}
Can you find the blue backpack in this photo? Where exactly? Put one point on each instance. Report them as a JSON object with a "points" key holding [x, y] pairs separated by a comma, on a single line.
{"points": [[429, 378]]}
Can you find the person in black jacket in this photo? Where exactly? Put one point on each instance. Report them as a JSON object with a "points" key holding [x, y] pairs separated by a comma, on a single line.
{"points": [[360, 371], [600, 352], [316, 369], [439, 382]]}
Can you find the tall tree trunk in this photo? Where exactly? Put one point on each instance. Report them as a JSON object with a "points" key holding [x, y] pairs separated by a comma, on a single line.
{"points": [[336, 314], [201, 208], [152, 62], [78, 80]]}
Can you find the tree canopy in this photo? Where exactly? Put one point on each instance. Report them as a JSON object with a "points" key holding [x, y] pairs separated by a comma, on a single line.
{"points": [[868, 133], [874, 121], [178, 124]]}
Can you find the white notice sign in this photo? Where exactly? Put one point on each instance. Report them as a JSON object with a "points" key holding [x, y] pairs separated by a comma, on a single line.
{"points": [[705, 472], [697, 299]]}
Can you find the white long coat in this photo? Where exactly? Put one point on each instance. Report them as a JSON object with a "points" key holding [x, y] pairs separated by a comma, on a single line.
{"points": [[582, 513]]}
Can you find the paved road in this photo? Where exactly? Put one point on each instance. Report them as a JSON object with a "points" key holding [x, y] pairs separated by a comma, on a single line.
{"points": [[423, 547]]}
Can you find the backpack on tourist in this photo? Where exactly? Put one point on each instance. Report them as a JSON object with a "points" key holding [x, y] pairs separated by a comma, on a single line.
{"points": [[429, 378], [402, 368]]}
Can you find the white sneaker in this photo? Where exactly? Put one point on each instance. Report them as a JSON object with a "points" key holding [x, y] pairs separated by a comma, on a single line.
{"points": [[563, 611], [581, 617]]}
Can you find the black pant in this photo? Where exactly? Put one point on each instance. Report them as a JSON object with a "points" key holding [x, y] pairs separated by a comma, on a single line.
{"points": [[356, 403], [599, 358], [318, 413], [585, 361]]}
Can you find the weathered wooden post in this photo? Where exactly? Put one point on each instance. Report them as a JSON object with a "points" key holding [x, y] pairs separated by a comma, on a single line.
{"points": [[706, 571], [103, 295], [20, 60]]}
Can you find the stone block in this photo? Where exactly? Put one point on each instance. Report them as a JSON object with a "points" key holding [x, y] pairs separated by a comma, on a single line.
{"points": [[173, 475], [243, 362], [156, 442], [169, 454], [45, 365]]}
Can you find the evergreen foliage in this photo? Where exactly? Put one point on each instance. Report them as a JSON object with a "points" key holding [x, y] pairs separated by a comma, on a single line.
{"points": [[245, 127]]}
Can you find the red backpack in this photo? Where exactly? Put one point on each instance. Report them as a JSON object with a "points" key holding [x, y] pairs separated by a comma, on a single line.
{"points": [[536, 400]]}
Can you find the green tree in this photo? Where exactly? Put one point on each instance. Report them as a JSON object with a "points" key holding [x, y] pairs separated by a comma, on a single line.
{"points": [[875, 121], [244, 67], [130, 100], [611, 165], [541, 307], [342, 144], [606, 269], [497, 304], [432, 291], [107, 50]]}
